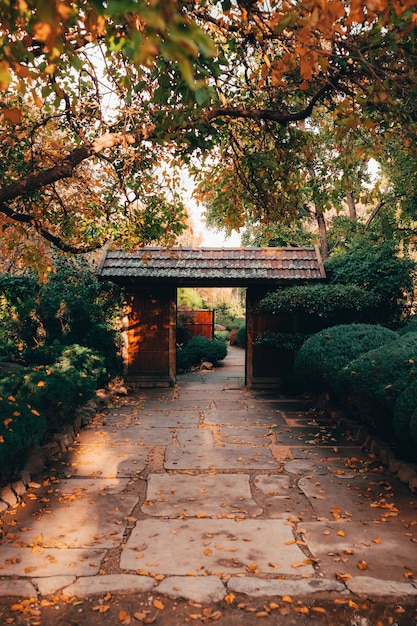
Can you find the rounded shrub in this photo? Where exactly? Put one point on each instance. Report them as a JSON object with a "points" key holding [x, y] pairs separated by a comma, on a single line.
{"points": [[323, 355], [241, 337], [377, 378], [200, 349], [405, 415]]}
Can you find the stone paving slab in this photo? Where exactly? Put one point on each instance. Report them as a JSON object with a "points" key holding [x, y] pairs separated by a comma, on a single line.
{"points": [[17, 588], [113, 583], [329, 452], [211, 546], [327, 493], [82, 512], [247, 435], [173, 418], [226, 457], [274, 485], [15, 561], [107, 461], [204, 589], [301, 587], [220, 495], [368, 586], [53, 584], [381, 550], [195, 437], [131, 435], [241, 419]]}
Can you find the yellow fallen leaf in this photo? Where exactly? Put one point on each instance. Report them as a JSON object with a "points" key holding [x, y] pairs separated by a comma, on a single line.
{"points": [[318, 609], [362, 565], [230, 598], [287, 599], [124, 618], [348, 551], [409, 575], [341, 533], [353, 605], [101, 608], [377, 540], [304, 610], [208, 552], [342, 577], [158, 605]]}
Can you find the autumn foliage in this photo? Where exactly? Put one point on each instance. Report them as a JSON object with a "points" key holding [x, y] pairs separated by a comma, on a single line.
{"points": [[103, 102]]}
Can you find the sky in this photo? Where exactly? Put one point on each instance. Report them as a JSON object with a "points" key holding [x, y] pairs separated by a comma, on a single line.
{"points": [[211, 239]]}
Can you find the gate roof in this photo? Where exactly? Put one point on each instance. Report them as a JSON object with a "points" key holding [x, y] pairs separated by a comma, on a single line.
{"points": [[213, 266]]}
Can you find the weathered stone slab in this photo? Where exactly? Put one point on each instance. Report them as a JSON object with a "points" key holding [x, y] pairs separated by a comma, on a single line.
{"points": [[306, 586], [242, 436], [344, 547], [211, 546], [173, 417], [17, 588], [204, 589], [365, 585], [329, 452], [273, 485], [53, 584], [306, 467], [326, 493], [110, 583], [219, 495], [225, 457], [42, 562], [84, 512], [195, 437], [241, 418], [131, 436], [108, 462]]}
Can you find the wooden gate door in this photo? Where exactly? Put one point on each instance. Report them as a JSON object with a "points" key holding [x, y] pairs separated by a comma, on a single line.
{"points": [[150, 326]]}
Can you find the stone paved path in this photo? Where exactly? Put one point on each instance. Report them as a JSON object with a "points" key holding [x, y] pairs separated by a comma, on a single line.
{"points": [[208, 489]]}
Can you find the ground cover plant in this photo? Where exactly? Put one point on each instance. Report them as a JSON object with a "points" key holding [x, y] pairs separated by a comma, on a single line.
{"points": [[58, 343]]}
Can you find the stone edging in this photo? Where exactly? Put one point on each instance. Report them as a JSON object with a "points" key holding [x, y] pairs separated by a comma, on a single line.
{"points": [[406, 472]]}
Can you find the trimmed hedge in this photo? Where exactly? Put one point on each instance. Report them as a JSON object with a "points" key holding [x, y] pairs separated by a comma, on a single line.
{"points": [[405, 415], [323, 355], [378, 378]]}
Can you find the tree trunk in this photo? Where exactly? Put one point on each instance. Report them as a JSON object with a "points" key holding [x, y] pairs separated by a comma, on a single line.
{"points": [[352, 206], [321, 223]]}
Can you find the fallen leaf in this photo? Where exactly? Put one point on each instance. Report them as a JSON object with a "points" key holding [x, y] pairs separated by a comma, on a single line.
{"points": [[158, 605], [230, 598], [287, 599], [362, 565], [342, 577]]}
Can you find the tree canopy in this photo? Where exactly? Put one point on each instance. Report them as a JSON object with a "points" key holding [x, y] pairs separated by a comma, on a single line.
{"points": [[101, 101]]}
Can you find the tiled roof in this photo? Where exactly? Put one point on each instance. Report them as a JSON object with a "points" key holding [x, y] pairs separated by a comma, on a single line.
{"points": [[215, 266]]}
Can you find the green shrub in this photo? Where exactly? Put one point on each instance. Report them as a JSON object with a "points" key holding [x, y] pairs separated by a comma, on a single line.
{"points": [[55, 390], [21, 428], [286, 341], [221, 334], [323, 355], [378, 377], [200, 349], [405, 415], [323, 301], [241, 337]]}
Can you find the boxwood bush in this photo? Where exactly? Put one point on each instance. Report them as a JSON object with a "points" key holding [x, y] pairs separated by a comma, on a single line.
{"points": [[405, 415], [200, 349], [323, 355], [375, 380]]}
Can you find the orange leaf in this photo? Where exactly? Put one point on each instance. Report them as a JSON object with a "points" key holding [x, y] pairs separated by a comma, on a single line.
{"points": [[158, 605]]}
